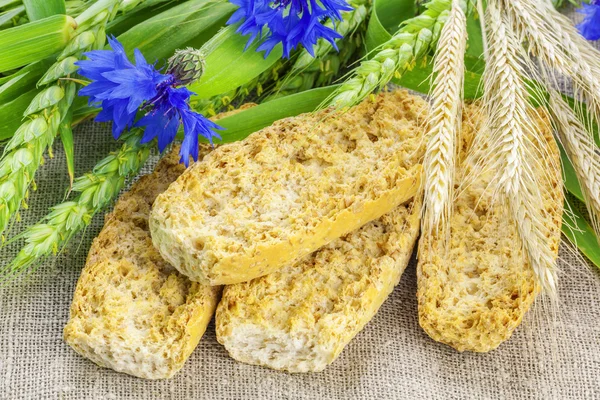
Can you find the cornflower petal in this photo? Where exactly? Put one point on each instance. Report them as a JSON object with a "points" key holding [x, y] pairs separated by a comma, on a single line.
{"points": [[122, 88], [590, 27], [289, 22]]}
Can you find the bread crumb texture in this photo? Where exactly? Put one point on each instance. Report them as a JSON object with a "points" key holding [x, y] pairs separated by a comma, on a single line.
{"points": [[474, 294], [301, 317], [253, 206], [132, 311]]}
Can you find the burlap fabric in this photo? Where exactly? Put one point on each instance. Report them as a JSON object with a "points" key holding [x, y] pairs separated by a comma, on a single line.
{"points": [[392, 358]]}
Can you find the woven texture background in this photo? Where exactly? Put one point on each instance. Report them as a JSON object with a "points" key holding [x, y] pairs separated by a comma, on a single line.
{"points": [[392, 358]]}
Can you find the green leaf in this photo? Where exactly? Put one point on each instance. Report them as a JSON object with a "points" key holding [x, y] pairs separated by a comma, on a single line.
{"points": [[157, 38], [139, 5], [66, 137], [203, 37], [579, 232], [124, 22], [34, 41], [569, 175], [391, 13], [81, 110], [474, 61], [246, 122], [386, 16], [4, 3], [8, 15], [228, 66], [419, 80], [11, 114], [40, 9]]}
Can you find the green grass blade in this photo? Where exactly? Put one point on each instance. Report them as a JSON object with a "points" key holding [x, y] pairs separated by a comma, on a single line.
{"points": [[157, 39], [66, 137], [203, 37], [8, 15], [580, 233], [40, 9], [228, 66], [124, 22], [34, 41], [569, 175], [4, 3], [386, 15], [246, 122]]}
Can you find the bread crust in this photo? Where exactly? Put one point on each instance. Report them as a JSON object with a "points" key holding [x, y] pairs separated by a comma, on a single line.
{"points": [[474, 296], [252, 206], [131, 310], [300, 318]]}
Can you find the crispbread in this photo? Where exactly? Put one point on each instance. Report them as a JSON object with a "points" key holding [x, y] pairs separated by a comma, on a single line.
{"points": [[301, 317], [131, 310], [254, 206], [473, 296]]}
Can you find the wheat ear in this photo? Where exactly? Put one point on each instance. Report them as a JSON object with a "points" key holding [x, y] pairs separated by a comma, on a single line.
{"points": [[555, 41], [513, 144], [444, 120], [580, 148], [561, 49], [24, 153], [411, 43], [93, 192]]}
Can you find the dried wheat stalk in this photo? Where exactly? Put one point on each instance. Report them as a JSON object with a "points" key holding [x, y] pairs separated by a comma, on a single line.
{"points": [[553, 38], [512, 145], [444, 121], [562, 51], [581, 149]]}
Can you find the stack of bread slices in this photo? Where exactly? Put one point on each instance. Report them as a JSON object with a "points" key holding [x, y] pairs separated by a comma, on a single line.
{"points": [[294, 237]]}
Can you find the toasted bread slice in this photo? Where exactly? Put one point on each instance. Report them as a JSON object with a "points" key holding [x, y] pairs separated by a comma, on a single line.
{"points": [[132, 311], [301, 317], [254, 206], [475, 293]]}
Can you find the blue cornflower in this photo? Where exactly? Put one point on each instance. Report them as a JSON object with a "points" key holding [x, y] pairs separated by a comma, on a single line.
{"points": [[590, 27], [122, 88], [289, 22], [167, 110]]}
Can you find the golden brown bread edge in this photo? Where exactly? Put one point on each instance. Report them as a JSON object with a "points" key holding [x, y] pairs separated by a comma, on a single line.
{"points": [[474, 296], [131, 310], [300, 318], [183, 220]]}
